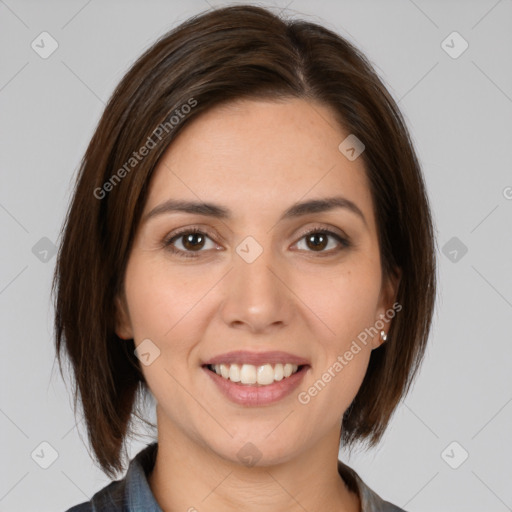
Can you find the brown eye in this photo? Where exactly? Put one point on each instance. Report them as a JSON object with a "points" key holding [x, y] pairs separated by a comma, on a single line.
{"points": [[192, 242], [317, 240]]}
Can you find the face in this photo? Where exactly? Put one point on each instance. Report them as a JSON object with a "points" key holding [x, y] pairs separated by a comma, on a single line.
{"points": [[248, 278]]}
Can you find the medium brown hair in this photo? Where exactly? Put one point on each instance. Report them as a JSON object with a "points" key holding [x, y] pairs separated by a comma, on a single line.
{"points": [[236, 52]]}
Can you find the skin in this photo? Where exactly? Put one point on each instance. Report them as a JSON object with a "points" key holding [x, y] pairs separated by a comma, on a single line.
{"points": [[256, 158]]}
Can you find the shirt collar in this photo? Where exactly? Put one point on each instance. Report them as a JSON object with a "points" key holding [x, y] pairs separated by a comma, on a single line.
{"points": [[139, 497]]}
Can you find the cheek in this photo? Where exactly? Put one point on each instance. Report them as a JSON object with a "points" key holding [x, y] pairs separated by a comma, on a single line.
{"points": [[345, 300], [162, 304], [160, 297]]}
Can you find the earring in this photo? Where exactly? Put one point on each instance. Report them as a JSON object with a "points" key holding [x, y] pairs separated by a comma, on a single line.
{"points": [[383, 335]]}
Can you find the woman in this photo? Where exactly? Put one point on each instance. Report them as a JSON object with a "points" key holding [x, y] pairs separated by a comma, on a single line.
{"points": [[249, 242]]}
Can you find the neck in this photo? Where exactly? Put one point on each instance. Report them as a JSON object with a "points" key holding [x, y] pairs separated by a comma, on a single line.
{"points": [[189, 476]]}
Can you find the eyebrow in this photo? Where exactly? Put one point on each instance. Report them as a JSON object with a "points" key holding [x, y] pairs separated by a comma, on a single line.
{"points": [[220, 212]]}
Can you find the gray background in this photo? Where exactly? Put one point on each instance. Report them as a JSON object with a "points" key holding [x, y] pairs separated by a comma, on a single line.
{"points": [[459, 113]]}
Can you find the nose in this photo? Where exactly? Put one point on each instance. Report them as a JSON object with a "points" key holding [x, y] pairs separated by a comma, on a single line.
{"points": [[257, 297]]}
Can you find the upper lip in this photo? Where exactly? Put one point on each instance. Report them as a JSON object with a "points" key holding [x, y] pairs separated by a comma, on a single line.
{"points": [[256, 358]]}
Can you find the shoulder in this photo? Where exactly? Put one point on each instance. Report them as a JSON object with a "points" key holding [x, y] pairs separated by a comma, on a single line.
{"points": [[83, 507], [130, 493], [111, 498], [370, 500]]}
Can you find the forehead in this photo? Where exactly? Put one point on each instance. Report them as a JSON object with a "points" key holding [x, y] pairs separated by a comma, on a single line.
{"points": [[255, 155]]}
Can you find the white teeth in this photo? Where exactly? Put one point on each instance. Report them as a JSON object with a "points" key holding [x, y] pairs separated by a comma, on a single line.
{"points": [[265, 374], [234, 373], [224, 371], [278, 372], [250, 374]]}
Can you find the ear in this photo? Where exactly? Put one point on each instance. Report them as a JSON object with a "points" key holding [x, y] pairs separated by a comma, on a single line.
{"points": [[388, 293], [123, 324]]}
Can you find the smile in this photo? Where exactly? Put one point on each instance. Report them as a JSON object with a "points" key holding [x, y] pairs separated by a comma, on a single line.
{"points": [[251, 392], [262, 375]]}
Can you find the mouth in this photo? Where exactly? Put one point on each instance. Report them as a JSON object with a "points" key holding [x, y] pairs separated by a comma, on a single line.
{"points": [[248, 368], [255, 375], [256, 379]]}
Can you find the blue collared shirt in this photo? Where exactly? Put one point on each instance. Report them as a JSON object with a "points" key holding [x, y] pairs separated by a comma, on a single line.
{"points": [[133, 494]]}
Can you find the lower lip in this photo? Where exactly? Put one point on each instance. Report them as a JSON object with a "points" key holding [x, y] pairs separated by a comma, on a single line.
{"points": [[246, 394]]}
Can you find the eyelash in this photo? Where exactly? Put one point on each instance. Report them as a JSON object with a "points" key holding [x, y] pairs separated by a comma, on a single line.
{"points": [[168, 243]]}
